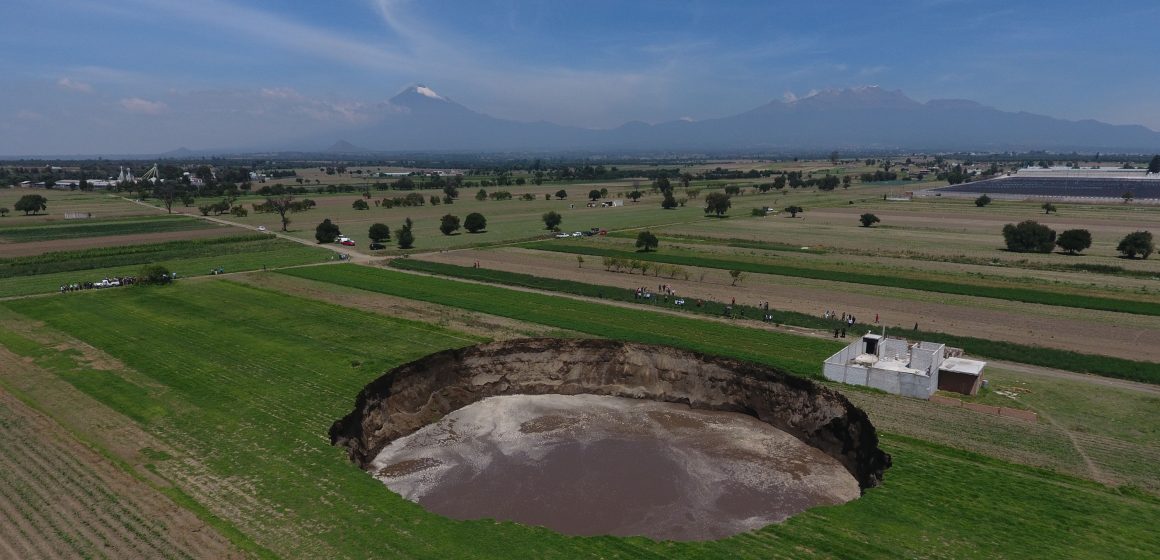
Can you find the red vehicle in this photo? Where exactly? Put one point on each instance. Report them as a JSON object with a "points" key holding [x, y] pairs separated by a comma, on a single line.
{"points": [[348, 243]]}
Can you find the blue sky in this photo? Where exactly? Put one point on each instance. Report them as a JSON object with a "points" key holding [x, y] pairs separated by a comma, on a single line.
{"points": [[111, 76]]}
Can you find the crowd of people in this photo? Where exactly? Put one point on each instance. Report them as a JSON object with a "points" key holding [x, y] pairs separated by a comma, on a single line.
{"points": [[108, 282]]}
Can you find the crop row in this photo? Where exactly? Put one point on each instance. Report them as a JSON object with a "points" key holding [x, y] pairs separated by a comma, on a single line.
{"points": [[78, 230], [1012, 293], [1148, 372]]}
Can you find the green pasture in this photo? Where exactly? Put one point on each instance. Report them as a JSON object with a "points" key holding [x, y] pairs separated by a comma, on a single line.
{"points": [[253, 398], [46, 273], [896, 280]]}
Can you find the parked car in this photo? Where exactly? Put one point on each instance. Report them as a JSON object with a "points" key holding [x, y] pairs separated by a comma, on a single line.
{"points": [[348, 243], [561, 235], [261, 228], [377, 246], [577, 234]]}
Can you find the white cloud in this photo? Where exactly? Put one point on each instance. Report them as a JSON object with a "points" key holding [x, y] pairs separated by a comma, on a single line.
{"points": [[281, 93], [74, 85], [143, 106]]}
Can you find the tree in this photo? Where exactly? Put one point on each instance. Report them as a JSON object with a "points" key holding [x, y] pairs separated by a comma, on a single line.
{"points": [[406, 238], [635, 195], [1154, 165], [561, 194], [360, 204], [552, 220], [1127, 196], [450, 191], [283, 205], [793, 210], [834, 157], [1029, 237], [1074, 240], [669, 202], [982, 201], [327, 231], [868, 220], [717, 203], [449, 224], [737, 276], [846, 181], [481, 195], [732, 190], [475, 222], [167, 194], [1048, 208], [153, 274], [1138, 243], [4, 212], [31, 204], [379, 233], [646, 241], [593, 195]]}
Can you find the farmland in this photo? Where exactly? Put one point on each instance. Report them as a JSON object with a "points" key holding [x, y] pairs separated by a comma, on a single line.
{"points": [[293, 368], [46, 273], [205, 404]]}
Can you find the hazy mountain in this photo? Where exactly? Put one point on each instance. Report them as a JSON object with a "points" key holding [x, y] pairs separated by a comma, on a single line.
{"points": [[857, 118], [344, 147]]}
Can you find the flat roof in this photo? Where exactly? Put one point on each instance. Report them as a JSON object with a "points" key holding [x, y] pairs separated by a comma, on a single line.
{"points": [[963, 366]]}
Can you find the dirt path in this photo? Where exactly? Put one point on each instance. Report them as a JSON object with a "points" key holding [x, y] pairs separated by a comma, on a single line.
{"points": [[1086, 331], [352, 254], [40, 247]]}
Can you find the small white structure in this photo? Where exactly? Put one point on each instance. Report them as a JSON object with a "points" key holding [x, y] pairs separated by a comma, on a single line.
{"points": [[896, 366]]}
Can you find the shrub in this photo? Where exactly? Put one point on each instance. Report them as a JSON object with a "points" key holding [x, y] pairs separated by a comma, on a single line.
{"points": [[552, 219], [794, 210], [327, 231], [1137, 243], [360, 204], [982, 201], [868, 220], [646, 241], [154, 274], [379, 233], [475, 222], [1029, 237], [1074, 240], [449, 224]]}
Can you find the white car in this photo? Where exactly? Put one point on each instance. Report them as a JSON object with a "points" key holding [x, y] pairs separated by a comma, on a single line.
{"points": [[577, 234], [261, 228], [561, 235]]}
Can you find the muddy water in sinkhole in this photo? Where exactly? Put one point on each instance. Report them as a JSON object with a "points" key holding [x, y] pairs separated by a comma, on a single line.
{"points": [[597, 465]]}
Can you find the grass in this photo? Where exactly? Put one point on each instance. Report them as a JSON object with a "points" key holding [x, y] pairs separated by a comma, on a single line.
{"points": [[1147, 372], [793, 353], [77, 229], [1011, 293], [253, 398], [46, 273]]}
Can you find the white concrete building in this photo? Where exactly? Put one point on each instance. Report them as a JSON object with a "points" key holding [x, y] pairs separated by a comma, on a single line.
{"points": [[899, 367]]}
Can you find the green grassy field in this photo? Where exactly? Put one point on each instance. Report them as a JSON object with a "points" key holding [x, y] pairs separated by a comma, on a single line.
{"points": [[46, 273], [797, 354], [14, 232], [253, 398], [1011, 293], [1147, 372]]}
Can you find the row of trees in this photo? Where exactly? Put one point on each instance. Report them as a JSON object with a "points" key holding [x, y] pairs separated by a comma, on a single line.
{"points": [[1030, 236]]}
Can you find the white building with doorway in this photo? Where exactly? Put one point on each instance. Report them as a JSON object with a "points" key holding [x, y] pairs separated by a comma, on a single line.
{"points": [[897, 366]]}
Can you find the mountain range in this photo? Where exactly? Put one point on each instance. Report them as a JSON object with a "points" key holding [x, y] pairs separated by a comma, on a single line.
{"points": [[863, 118]]}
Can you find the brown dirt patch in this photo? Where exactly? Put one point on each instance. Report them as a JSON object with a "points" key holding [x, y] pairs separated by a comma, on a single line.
{"points": [[1087, 331]]}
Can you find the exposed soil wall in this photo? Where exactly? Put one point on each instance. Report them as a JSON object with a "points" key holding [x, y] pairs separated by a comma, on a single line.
{"points": [[416, 394]]}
